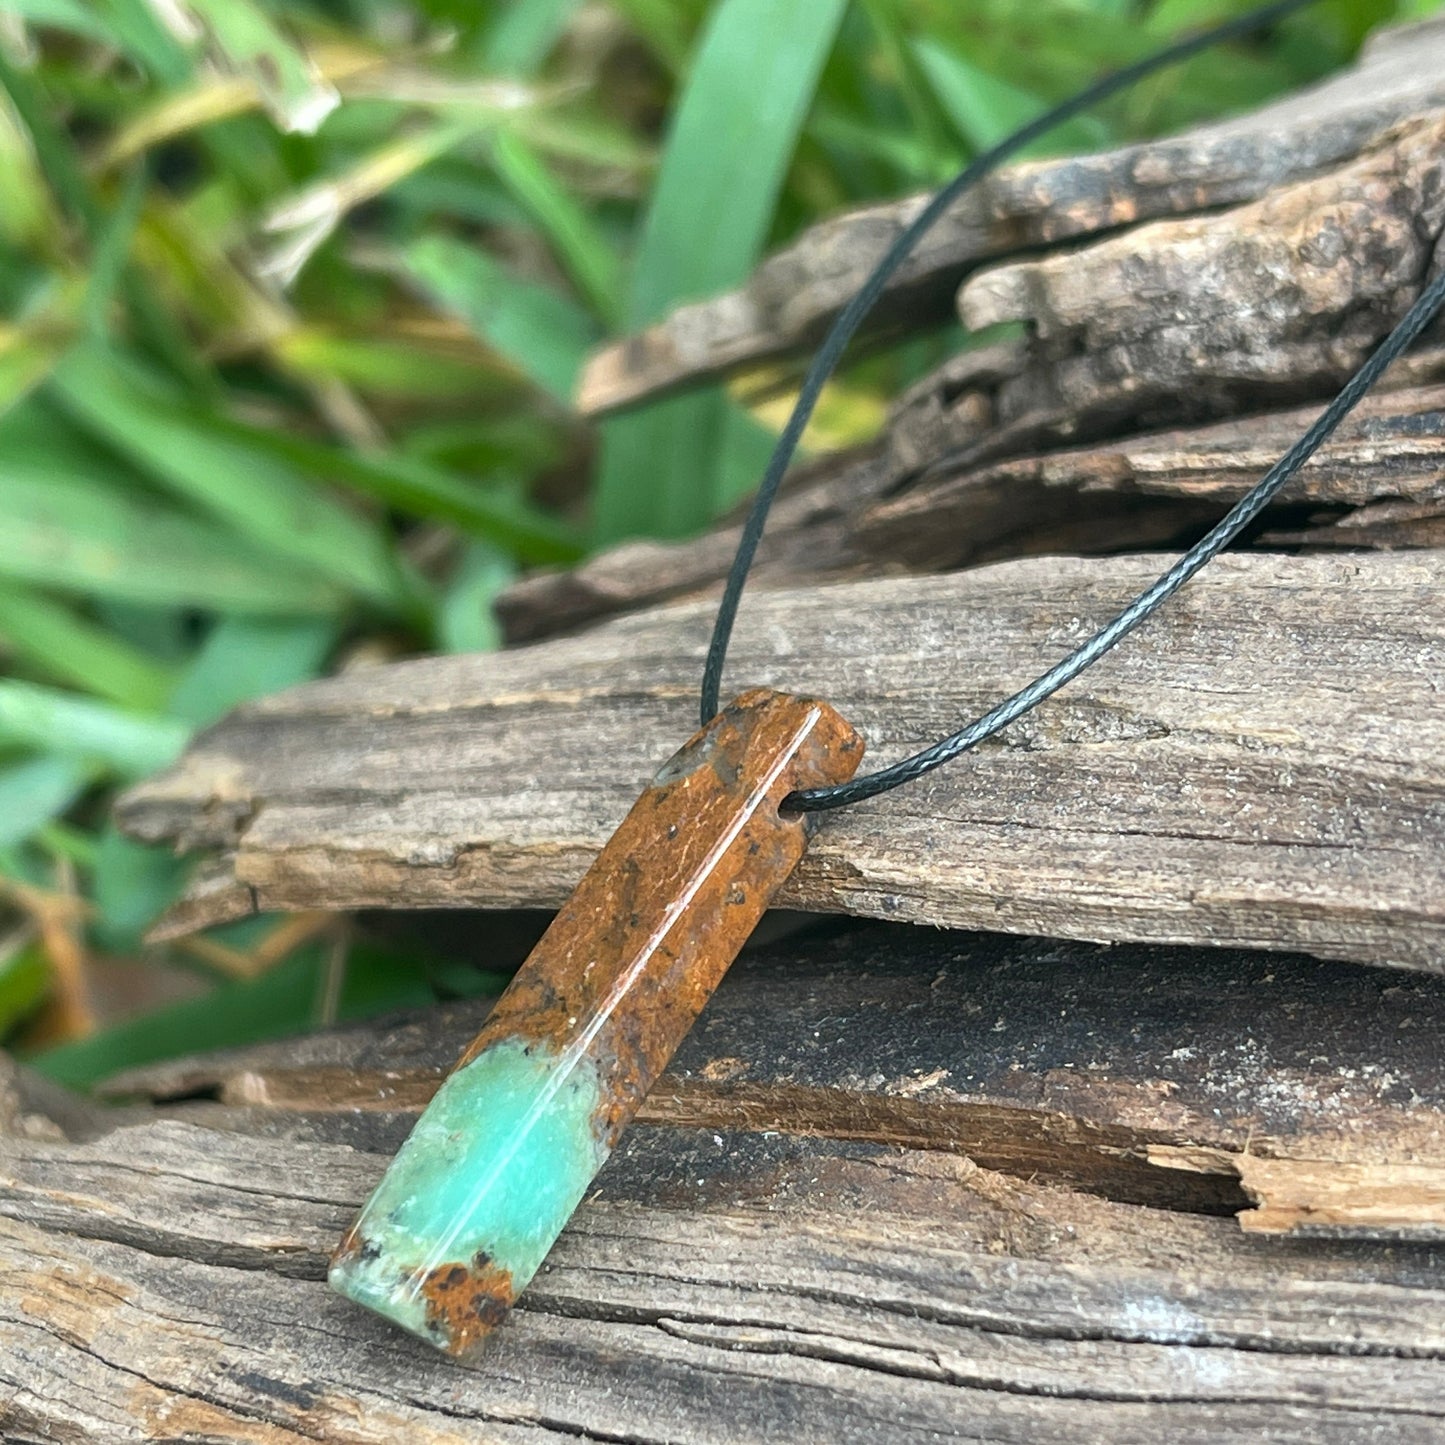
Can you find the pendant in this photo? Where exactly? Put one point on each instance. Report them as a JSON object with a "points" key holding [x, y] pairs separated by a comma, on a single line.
{"points": [[504, 1153]]}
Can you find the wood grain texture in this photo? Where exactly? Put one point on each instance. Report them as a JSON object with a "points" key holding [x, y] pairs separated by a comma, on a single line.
{"points": [[1379, 482], [1261, 765], [794, 295], [1145, 1075], [1216, 313], [1211, 315], [163, 1275]]}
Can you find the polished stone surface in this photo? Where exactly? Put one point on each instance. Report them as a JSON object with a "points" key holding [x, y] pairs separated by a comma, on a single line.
{"points": [[505, 1152]]}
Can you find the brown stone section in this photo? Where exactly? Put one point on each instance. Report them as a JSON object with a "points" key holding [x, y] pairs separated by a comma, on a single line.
{"points": [[652, 927], [351, 1244], [466, 1302]]}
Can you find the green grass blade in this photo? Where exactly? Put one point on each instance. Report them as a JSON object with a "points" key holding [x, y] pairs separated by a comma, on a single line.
{"points": [[242, 36], [34, 792], [84, 537], [242, 658], [732, 138], [728, 149], [60, 839], [112, 251], [661, 25], [24, 984], [925, 129], [30, 352], [304, 220], [68, 15], [543, 333], [61, 165], [421, 489], [390, 369], [59, 162], [138, 29], [900, 150], [984, 109], [256, 494], [132, 885], [65, 725], [29, 216], [516, 445], [522, 36], [58, 642], [247, 657], [465, 620], [276, 1005], [584, 137], [578, 245]]}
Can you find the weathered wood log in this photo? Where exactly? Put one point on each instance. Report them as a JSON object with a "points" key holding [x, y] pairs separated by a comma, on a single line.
{"points": [[1265, 303], [795, 294], [1163, 488], [1164, 324], [1276, 300], [1261, 765], [1147, 1076], [762, 1272], [1380, 482]]}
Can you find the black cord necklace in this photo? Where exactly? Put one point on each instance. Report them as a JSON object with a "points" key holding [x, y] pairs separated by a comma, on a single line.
{"points": [[510, 1144], [1153, 597]]}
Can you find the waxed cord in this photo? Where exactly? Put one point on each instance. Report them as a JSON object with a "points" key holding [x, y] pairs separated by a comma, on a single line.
{"points": [[1148, 601]]}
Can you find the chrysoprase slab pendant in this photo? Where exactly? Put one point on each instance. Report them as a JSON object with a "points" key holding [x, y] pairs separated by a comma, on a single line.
{"points": [[505, 1151]]}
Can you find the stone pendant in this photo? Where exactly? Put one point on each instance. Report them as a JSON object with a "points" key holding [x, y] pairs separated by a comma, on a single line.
{"points": [[505, 1151]]}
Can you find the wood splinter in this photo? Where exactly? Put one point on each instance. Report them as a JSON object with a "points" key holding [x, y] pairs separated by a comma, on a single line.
{"points": [[481, 1189]]}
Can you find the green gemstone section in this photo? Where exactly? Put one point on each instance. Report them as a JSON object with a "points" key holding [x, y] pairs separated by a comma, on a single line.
{"points": [[495, 1167]]}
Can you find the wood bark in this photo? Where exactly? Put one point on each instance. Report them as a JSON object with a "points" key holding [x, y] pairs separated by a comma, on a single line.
{"points": [[1379, 483], [794, 295], [1143, 1075], [752, 1266], [1157, 328], [1211, 315], [1261, 765]]}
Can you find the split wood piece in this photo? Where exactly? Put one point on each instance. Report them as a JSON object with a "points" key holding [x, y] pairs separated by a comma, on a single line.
{"points": [[794, 295], [1324, 1198], [1149, 1076], [1269, 303], [1261, 765], [1379, 482], [163, 1279], [1275, 301], [822, 1295], [505, 1151]]}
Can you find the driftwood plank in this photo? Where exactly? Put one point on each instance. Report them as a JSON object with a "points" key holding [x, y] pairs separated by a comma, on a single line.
{"points": [[1149, 1076], [1163, 325], [1261, 765], [793, 296], [1379, 482], [1275, 300], [992, 1323], [162, 1277], [1161, 488]]}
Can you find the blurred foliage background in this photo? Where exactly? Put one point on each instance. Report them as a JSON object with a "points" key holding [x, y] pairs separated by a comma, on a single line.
{"points": [[294, 298]]}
